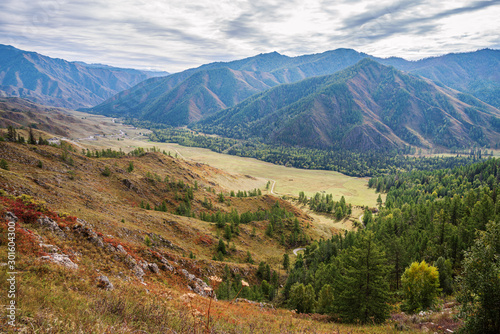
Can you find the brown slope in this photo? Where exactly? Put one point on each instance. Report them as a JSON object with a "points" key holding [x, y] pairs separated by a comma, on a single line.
{"points": [[60, 83]]}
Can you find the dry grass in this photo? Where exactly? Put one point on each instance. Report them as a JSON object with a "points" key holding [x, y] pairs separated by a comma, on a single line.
{"points": [[289, 181]]}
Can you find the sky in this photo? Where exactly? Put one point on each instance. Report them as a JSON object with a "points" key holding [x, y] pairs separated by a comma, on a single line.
{"points": [[173, 35]]}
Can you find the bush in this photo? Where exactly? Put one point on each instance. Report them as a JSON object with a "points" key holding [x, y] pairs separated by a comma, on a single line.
{"points": [[420, 283], [106, 171], [4, 164], [130, 167]]}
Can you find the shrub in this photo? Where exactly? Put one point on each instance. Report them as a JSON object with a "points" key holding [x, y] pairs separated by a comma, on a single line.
{"points": [[106, 171], [420, 283], [147, 241], [4, 164]]}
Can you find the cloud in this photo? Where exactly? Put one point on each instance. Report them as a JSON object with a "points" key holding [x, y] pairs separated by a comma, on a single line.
{"points": [[175, 35], [373, 13]]}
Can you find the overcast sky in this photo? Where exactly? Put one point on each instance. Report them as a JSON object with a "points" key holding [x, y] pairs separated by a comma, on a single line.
{"points": [[174, 35]]}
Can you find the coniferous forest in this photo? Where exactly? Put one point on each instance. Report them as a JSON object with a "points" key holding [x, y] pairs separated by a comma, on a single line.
{"points": [[350, 162], [448, 219]]}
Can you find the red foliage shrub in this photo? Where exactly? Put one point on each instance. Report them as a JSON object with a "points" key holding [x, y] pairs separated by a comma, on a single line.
{"points": [[204, 239], [25, 240]]}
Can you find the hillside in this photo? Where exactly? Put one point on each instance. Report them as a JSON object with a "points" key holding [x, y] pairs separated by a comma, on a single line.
{"points": [[18, 112], [59, 83], [114, 251], [476, 73], [367, 106], [82, 237], [183, 98], [194, 94], [201, 94]]}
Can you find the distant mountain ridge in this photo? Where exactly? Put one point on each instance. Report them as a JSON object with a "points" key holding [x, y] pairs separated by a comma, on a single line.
{"points": [[60, 83], [366, 106], [154, 99], [287, 100]]}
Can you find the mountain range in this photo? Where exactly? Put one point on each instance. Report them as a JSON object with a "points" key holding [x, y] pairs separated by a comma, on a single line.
{"points": [[167, 100], [339, 98], [366, 106], [60, 83]]}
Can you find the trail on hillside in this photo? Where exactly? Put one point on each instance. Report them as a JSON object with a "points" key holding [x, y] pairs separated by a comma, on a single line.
{"points": [[296, 250]]}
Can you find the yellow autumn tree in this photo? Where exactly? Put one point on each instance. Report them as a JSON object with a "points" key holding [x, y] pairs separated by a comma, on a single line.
{"points": [[420, 283]]}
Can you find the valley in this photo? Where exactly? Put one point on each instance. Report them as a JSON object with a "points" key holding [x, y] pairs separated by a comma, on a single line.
{"points": [[289, 181]]}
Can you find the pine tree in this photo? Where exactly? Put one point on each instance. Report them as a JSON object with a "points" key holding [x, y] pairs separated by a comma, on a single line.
{"points": [[11, 134], [31, 139], [130, 167], [286, 261], [221, 247], [302, 298], [363, 287], [480, 283]]}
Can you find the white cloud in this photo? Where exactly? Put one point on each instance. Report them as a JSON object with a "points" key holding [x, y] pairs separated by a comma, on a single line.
{"points": [[175, 35]]}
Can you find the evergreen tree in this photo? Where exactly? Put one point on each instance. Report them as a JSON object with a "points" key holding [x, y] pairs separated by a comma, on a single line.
{"points": [[31, 139], [445, 269], [227, 232], [302, 298], [286, 261], [130, 167], [325, 300], [480, 283], [11, 134], [221, 247], [363, 287], [4, 164]]}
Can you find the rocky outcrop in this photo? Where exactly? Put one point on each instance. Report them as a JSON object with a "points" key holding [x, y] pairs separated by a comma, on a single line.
{"points": [[49, 224], [61, 259], [195, 284], [86, 230], [165, 265], [104, 283]]}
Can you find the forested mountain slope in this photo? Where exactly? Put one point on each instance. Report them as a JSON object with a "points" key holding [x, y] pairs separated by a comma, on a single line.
{"points": [[367, 106]]}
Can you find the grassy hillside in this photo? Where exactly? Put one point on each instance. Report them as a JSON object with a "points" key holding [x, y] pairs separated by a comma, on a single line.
{"points": [[96, 224]]}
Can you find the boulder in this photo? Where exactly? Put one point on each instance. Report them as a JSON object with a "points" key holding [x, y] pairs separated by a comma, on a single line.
{"points": [[104, 283], [61, 259], [196, 285]]}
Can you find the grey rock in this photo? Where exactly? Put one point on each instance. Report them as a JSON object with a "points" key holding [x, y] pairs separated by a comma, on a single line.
{"points": [[138, 272], [121, 249], [154, 268], [130, 261], [104, 283], [195, 284], [49, 224], [85, 229], [50, 248], [61, 259]]}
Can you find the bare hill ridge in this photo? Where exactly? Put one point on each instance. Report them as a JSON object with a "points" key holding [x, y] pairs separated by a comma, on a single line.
{"points": [[60, 83]]}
